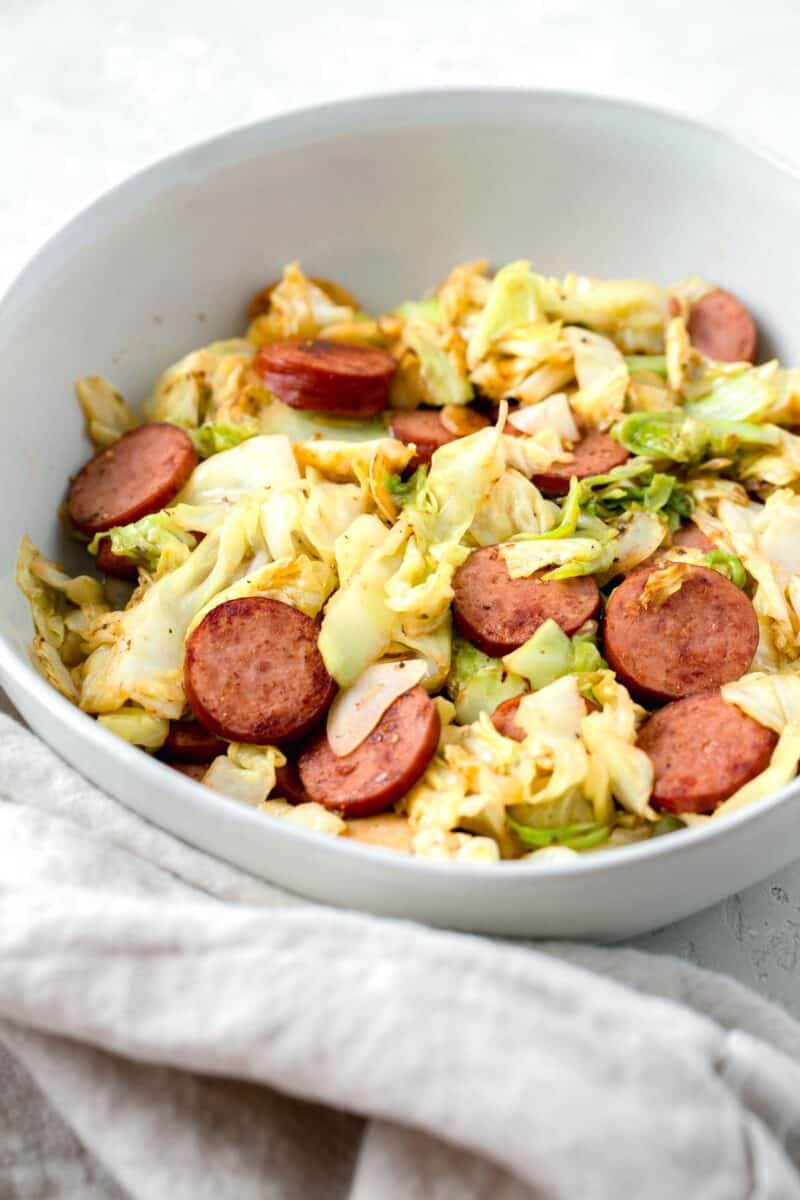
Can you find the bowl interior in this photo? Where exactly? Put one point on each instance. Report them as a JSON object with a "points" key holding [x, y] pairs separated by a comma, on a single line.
{"points": [[383, 195]]}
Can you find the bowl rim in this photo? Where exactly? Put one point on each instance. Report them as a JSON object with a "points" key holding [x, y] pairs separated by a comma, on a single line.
{"points": [[328, 118]]}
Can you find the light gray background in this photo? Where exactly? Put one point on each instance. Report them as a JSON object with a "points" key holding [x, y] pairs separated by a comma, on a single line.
{"points": [[91, 91]]}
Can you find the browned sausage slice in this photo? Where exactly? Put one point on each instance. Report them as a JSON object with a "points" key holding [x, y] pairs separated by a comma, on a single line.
{"points": [[422, 426], [138, 475], [498, 613], [703, 750], [288, 785], [428, 432], [331, 377], [595, 454], [702, 636], [691, 537], [504, 719], [383, 768], [721, 328], [189, 742], [118, 565], [253, 672]]}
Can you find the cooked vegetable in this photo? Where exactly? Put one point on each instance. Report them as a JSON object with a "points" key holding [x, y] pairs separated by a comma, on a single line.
{"points": [[525, 384], [149, 540], [478, 683]]}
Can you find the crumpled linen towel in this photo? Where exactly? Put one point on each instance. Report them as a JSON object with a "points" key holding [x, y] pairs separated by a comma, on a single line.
{"points": [[175, 1028]]}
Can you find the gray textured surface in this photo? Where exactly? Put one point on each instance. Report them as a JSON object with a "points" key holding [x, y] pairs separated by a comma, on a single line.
{"points": [[90, 92]]}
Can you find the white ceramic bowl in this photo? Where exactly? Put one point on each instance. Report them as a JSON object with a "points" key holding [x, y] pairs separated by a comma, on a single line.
{"points": [[384, 195]]}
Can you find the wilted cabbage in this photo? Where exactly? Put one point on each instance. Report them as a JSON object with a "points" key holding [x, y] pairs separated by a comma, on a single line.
{"points": [[107, 415], [299, 307], [478, 683], [148, 541], [64, 611], [207, 384]]}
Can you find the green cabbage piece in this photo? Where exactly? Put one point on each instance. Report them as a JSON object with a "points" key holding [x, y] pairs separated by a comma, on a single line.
{"points": [[462, 474], [729, 565], [550, 654], [514, 302], [406, 491], [747, 396], [234, 474], [302, 426], [569, 557], [688, 439], [477, 683], [444, 382], [669, 823], [631, 486], [420, 310], [214, 436], [583, 836], [358, 624], [64, 611], [147, 539], [657, 363]]}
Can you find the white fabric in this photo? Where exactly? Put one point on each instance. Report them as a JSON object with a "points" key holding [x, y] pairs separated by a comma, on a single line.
{"points": [[175, 1028]]}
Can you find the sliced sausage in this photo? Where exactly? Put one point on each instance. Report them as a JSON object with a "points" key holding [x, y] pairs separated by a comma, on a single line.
{"points": [[331, 377], [703, 750], [702, 636], [428, 431], [498, 613], [288, 785], [262, 300], [138, 475], [253, 672], [721, 328], [691, 537], [383, 768], [189, 742], [118, 565], [422, 426], [193, 770], [595, 454], [504, 719]]}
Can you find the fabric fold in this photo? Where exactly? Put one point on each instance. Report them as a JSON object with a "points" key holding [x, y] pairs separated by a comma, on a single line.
{"points": [[190, 1040]]}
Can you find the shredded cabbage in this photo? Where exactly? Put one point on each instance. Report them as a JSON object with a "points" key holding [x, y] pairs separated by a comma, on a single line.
{"points": [[64, 610], [150, 541], [107, 415], [477, 683], [549, 654], [327, 514], [245, 773]]}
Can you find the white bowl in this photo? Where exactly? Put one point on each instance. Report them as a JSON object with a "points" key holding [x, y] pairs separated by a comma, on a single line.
{"points": [[383, 195]]}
